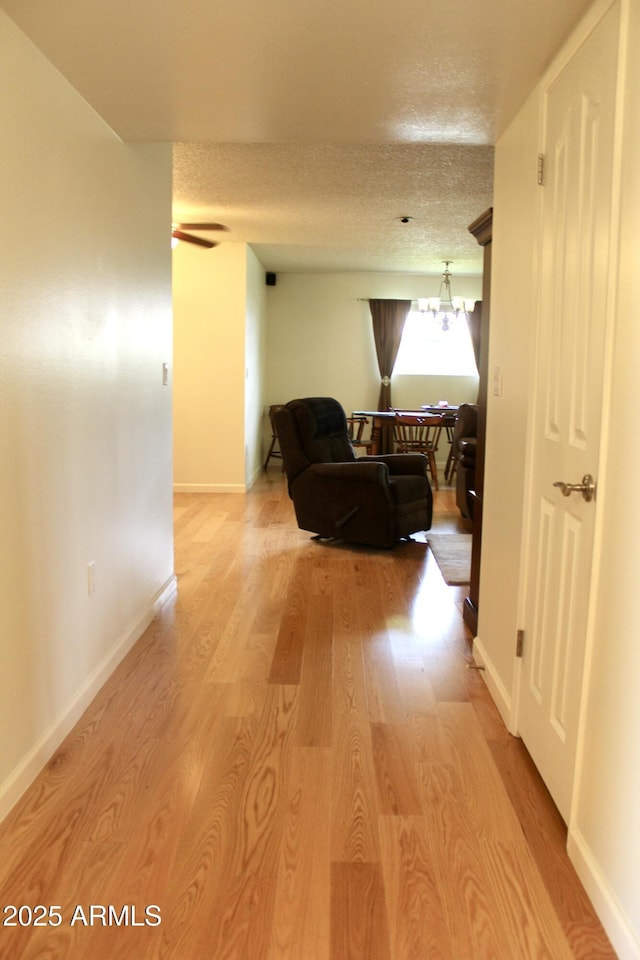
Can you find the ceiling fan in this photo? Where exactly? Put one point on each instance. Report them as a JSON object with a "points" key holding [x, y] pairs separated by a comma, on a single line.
{"points": [[178, 232]]}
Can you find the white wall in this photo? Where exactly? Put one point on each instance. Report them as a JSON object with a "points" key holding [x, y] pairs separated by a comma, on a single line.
{"points": [[320, 341], [85, 443], [218, 305], [255, 367]]}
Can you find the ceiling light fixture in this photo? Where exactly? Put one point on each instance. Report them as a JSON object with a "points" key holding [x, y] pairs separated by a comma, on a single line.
{"points": [[446, 307]]}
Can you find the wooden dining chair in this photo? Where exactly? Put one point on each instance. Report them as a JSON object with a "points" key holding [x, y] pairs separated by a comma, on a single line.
{"points": [[274, 446], [355, 426], [417, 434]]}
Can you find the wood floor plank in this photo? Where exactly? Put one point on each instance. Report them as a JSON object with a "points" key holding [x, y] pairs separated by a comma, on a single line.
{"points": [[520, 897], [481, 786], [359, 926], [242, 928], [417, 927], [227, 659], [314, 722], [246, 696], [142, 872], [354, 836], [260, 817], [116, 811], [385, 704], [414, 687], [427, 739], [473, 927], [287, 658], [447, 680], [398, 791], [202, 864], [301, 926]]}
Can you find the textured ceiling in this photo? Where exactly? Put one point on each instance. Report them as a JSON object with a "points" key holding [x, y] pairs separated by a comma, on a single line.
{"points": [[338, 206], [310, 126]]}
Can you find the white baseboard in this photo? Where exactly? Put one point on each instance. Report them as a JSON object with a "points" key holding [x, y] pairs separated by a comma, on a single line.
{"points": [[501, 696], [209, 488], [617, 925], [42, 751]]}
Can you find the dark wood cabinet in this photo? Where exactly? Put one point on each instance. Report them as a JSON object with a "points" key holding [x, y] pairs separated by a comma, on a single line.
{"points": [[482, 231]]}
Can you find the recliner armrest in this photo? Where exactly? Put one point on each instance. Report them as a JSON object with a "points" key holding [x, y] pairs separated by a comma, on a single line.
{"points": [[467, 455], [401, 464], [356, 471]]}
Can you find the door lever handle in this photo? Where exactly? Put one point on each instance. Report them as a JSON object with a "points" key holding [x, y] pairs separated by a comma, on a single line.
{"points": [[587, 488]]}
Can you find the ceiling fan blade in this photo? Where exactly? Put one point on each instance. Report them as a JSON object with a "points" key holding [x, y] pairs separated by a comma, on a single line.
{"points": [[189, 238], [201, 226]]}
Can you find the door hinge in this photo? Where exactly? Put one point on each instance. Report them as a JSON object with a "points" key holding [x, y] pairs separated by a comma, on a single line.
{"points": [[519, 643], [541, 169]]}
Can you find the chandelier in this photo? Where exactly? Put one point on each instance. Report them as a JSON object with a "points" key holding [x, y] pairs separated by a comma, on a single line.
{"points": [[445, 307]]}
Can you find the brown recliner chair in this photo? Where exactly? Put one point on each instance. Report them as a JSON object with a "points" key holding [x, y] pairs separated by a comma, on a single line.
{"points": [[369, 500]]}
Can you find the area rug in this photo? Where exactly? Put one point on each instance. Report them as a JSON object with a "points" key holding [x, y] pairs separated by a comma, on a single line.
{"points": [[453, 555]]}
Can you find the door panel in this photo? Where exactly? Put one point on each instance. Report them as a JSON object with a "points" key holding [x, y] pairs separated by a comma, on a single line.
{"points": [[572, 327]]}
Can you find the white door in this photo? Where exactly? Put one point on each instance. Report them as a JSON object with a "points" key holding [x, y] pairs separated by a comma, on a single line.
{"points": [[575, 260]]}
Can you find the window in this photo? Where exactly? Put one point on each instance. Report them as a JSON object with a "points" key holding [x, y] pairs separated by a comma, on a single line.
{"points": [[426, 349]]}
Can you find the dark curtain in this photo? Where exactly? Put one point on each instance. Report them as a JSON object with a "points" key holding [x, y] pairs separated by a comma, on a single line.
{"points": [[474, 319], [388, 323]]}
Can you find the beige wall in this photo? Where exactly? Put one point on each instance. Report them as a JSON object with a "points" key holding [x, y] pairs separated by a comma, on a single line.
{"points": [[604, 829], [218, 300], [320, 343], [85, 444]]}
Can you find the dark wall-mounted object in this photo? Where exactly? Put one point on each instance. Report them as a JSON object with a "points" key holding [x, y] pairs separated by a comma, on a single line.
{"points": [[271, 279]]}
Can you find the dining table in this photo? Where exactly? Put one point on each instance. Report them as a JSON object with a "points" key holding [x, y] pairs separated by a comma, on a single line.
{"points": [[381, 417]]}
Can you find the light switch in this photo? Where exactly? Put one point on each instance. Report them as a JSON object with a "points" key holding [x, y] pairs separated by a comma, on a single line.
{"points": [[497, 381]]}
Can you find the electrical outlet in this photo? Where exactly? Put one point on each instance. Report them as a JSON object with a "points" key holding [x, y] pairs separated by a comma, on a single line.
{"points": [[91, 577], [165, 374]]}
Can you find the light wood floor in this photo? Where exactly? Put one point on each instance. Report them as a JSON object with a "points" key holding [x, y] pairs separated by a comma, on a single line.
{"points": [[295, 761]]}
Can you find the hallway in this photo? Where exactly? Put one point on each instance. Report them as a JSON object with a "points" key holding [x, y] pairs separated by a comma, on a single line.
{"points": [[297, 760]]}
